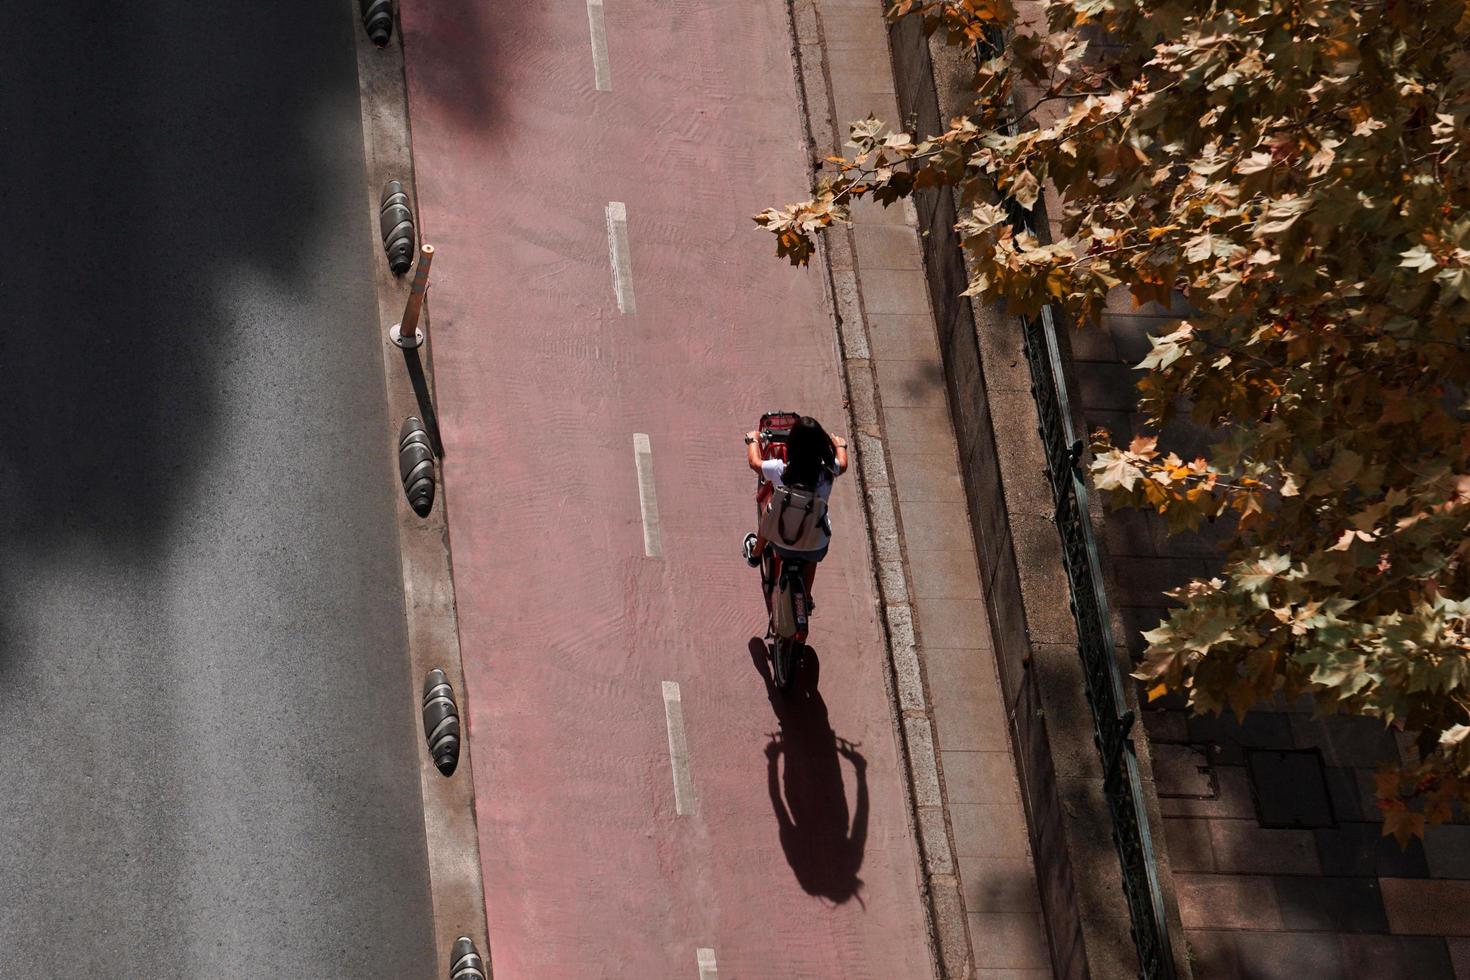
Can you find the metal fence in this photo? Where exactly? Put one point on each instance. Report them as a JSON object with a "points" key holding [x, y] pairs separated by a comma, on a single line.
{"points": [[1112, 721]]}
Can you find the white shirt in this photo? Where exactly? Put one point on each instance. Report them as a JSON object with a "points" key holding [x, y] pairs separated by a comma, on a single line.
{"points": [[772, 469]]}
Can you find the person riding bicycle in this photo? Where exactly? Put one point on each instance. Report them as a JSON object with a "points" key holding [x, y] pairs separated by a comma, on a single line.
{"points": [[813, 461]]}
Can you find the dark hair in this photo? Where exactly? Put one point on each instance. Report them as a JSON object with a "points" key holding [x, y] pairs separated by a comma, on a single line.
{"points": [[809, 454]]}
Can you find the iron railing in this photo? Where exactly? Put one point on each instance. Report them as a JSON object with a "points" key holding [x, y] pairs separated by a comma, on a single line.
{"points": [[1112, 720]]}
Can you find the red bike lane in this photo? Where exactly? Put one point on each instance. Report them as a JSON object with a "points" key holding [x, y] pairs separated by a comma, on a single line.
{"points": [[606, 324]]}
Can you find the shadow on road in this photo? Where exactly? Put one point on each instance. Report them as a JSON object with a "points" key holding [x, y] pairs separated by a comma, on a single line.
{"points": [[425, 398], [191, 377], [166, 192], [496, 33], [823, 841]]}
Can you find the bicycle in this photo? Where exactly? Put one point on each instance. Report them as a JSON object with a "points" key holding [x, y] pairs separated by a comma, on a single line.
{"points": [[782, 582]]}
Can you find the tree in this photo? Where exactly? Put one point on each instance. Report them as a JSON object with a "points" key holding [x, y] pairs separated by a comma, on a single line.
{"points": [[1293, 173]]}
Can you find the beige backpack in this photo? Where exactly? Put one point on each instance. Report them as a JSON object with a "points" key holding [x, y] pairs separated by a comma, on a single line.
{"points": [[795, 518]]}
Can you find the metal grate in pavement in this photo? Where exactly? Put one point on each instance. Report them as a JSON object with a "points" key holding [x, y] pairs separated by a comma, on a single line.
{"points": [[1289, 787]]}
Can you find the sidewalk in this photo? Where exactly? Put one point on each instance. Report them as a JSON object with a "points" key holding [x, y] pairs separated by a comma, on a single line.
{"points": [[968, 805], [603, 322]]}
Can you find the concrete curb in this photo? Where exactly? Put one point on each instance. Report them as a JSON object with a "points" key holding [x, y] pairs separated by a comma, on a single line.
{"points": [[453, 840]]}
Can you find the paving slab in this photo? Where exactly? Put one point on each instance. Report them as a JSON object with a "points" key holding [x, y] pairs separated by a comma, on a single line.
{"points": [[909, 296], [1189, 845], [1244, 847], [964, 678], [980, 777], [1212, 954], [1000, 885], [926, 477], [1424, 907], [1460, 957], [914, 384], [900, 336], [1013, 940], [890, 246], [952, 624], [947, 574], [1292, 956], [917, 428], [1227, 902], [857, 106], [1398, 957], [989, 830], [1447, 848], [936, 525], [976, 727], [1330, 904]]}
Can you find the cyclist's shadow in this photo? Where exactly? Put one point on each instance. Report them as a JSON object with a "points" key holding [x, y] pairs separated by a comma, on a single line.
{"points": [[822, 847]]}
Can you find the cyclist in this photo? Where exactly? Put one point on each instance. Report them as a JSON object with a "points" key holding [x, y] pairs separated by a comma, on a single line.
{"points": [[813, 460]]}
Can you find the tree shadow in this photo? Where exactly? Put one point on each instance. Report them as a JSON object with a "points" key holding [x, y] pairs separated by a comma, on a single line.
{"points": [[471, 90], [824, 843], [191, 397]]}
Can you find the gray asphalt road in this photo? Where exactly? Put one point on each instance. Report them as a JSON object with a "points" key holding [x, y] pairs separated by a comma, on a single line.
{"points": [[206, 757]]}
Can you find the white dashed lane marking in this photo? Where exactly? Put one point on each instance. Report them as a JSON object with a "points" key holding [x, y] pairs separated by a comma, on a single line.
{"points": [[679, 755], [601, 70], [653, 545], [618, 255], [706, 959]]}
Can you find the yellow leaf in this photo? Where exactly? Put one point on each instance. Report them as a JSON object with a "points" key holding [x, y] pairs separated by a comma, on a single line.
{"points": [[1246, 504], [1403, 825], [1025, 189], [1113, 471], [1437, 811], [1056, 283], [1345, 541], [1144, 446], [1157, 691], [1254, 163]]}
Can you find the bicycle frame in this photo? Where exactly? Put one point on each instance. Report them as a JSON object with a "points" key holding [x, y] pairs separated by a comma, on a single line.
{"points": [[785, 591]]}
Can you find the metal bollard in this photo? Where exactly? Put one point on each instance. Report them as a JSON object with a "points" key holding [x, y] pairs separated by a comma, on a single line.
{"points": [[406, 332], [377, 18], [465, 962], [441, 721], [395, 224], [416, 465]]}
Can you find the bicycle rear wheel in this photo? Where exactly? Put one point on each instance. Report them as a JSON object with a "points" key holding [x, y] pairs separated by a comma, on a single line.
{"points": [[784, 653]]}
